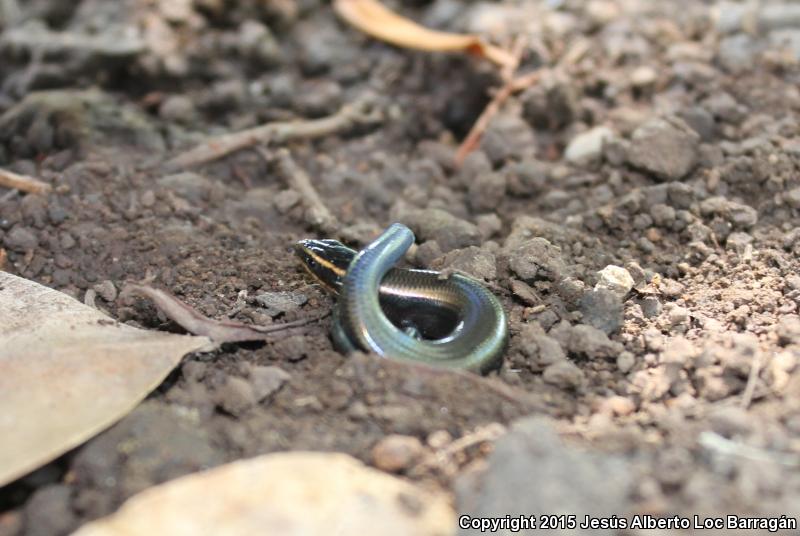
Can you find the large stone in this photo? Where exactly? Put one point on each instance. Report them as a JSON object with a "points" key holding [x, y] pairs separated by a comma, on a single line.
{"points": [[533, 473], [288, 493], [666, 148]]}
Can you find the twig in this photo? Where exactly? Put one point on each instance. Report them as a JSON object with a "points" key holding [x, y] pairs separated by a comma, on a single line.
{"points": [[441, 458], [218, 331], [723, 445], [9, 179], [472, 140], [357, 113], [752, 377], [317, 214], [511, 85], [28, 37]]}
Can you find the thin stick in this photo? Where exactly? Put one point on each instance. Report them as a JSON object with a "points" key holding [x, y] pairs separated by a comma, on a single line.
{"points": [[440, 458], [723, 445], [473, 139], [317, 214], [217, 330], [279, 132], [9, 179], [510, 86], [752, 377]]}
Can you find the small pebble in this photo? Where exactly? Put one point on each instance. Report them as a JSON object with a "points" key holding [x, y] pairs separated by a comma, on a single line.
{"points": [[587, 146], [537, 259], [617, 405], [615, 279], [281, 302], [667, 148], [267, 380], [563, 374], [21, 239], [106, 290], [236, 396], [625, 362], [395, 453]]}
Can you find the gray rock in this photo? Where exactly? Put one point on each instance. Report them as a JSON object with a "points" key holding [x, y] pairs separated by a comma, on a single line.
{"points": [[486, 191], [724, 107], [322, 46], [178, 108], [447, 230], [792, 198], [427, 253], [192, 186], [587, 146], [551, 104], [473, 260], [83, 117], [21, 239], [738, 242], [489, 224], [395, 453], [475, 165], [267, 380], [651, 306], [602, 309], [779, 15], [564, 374], [531, 472], [49, 512], [680, 195], [571, 290], [731, 16], [285, 200], [292, 348], [540, 349], [537, 259], [737, 52], [106, 290], [789, 329], [236, 396], [508, 137], [677, 315], [701, 121], [625, 362], [528, 176], [615, 279], [737, 214], [318, 98], [666, 148], [281, 302], [663, 215], [588, 341], [257, 43]]}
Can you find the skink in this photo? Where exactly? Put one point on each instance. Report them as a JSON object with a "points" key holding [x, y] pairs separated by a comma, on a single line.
{"points": [[414, 315]]}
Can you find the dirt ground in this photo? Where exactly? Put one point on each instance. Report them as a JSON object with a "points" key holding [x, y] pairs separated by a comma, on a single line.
{"points": [[662, 138]]}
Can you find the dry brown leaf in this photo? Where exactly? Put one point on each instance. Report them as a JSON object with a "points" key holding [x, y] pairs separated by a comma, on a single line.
{"points": [[68, 371], [290, 494], [374, 19]]}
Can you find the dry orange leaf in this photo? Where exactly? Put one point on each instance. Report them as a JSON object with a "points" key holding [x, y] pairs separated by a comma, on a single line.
{"points": [[381, 23]]}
